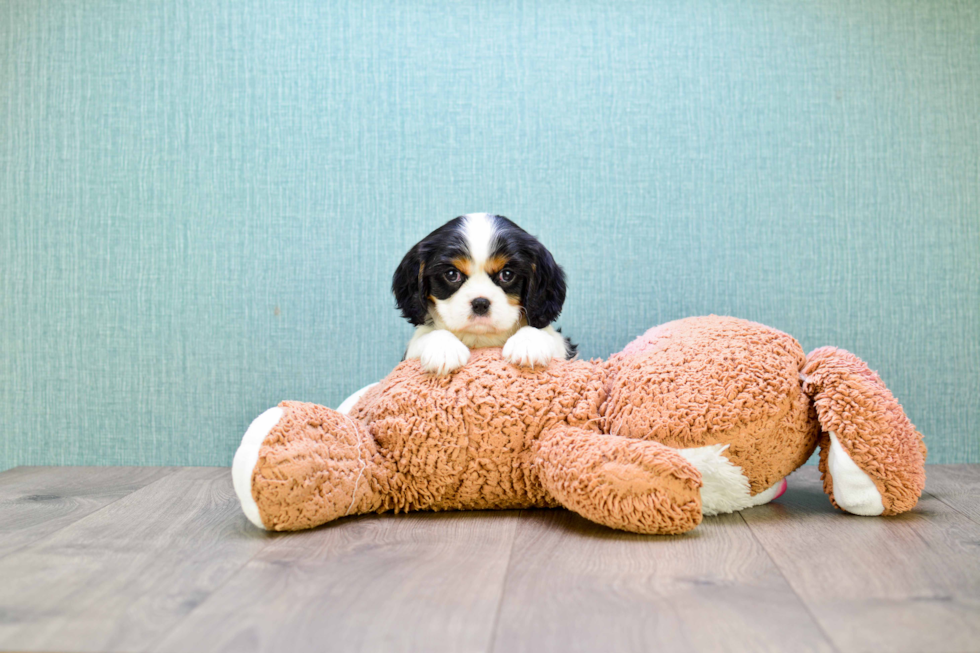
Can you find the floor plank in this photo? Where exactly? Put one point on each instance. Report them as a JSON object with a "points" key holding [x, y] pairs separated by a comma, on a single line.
{"points": [[127, 560], [574, 585], [416, 582], [122, 577], [37, 501], [904, 583], [958, 486]]}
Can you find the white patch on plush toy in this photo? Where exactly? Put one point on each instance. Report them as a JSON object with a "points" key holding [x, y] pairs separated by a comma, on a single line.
{"points": [[724, 488], [854, 491], [774, 492], [247, 457], [353, 399]]}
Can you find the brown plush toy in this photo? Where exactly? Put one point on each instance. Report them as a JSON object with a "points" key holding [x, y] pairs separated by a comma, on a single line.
{"points": [[695, 417]]}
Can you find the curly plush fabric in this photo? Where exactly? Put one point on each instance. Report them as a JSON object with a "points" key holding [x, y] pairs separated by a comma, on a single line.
{"points": [[459, 442], [853, 403], [464, 441], [628, 443], [716, 380], [311, 469], [632, 485]]}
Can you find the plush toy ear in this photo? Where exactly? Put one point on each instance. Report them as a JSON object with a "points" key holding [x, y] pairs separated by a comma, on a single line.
{"points": [[865, 428], [408, 286], [545, 292]]}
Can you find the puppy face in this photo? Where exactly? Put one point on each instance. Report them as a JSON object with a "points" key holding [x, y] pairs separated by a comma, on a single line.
{"points": [[479, 274]]}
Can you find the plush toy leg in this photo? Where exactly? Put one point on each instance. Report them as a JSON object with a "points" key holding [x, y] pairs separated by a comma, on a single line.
{"points": [[632, 485], [301, 465], [872, 459]]}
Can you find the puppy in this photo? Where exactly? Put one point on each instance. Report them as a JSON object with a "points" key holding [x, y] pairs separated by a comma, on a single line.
{"points": [[481, 281]]}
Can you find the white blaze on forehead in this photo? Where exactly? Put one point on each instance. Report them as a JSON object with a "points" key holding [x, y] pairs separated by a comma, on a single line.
{"points": [[455, 313], [479, 232]]}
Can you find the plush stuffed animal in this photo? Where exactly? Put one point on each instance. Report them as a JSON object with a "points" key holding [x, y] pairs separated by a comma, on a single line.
{"points": [[695, 417]]}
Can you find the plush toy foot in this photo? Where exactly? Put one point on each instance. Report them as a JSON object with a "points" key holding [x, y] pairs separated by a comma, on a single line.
{"points": [[632, 485], [724, 488], [247, 457], [871, 457], [301, 465]]}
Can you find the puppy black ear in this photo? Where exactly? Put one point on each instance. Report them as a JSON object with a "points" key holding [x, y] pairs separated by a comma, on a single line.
{"points": [[408, 286], [545, 292]]}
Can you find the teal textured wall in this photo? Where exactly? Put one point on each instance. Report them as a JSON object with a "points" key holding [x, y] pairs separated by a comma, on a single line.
{"points": [[201, 203]]}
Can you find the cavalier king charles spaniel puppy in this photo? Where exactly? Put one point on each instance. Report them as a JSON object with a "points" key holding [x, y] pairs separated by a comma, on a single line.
{"points": [[481, 281]]}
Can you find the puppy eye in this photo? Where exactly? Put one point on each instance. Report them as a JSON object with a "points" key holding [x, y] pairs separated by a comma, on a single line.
{"points": [[452, 276], [506, 276]]}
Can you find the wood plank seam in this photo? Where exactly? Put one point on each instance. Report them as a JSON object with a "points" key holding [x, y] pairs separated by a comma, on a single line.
{"points": [[940, 499], [163, 539], [231, 576], [409, 579], [806, 606], [503, 587], [82, 517]]}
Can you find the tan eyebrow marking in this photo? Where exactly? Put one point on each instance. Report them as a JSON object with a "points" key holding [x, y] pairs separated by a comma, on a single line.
{"points": [[495, 264], [463, 264]]}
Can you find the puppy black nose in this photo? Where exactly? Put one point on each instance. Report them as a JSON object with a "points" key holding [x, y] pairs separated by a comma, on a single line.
{"points": [[481, 305]]}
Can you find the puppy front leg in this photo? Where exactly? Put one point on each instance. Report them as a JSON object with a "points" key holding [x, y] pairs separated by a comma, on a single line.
{"points": [[439, 351], [531, 347]]}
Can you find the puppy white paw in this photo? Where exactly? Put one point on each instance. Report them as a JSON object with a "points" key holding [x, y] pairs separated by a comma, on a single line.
{"points": [[531, 347], [441, 353]]}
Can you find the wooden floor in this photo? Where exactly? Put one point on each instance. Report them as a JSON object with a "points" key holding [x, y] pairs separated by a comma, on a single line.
{"points": [[162, 559]]}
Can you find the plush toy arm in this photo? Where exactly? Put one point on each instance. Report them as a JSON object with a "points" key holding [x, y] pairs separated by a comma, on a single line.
{"points": [[872, 459], [633, 485], [301, 465]]}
